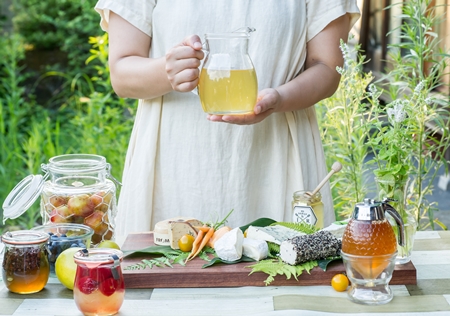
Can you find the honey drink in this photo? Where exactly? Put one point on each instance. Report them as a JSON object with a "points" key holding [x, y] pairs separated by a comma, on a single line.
{"points": [[228, 91]]}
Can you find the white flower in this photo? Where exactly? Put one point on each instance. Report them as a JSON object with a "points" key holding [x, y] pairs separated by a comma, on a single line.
{"points": [[419, 87], [396, 112]]}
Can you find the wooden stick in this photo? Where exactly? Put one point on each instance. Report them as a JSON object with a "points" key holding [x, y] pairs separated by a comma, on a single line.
{"points": [[336, 167]]}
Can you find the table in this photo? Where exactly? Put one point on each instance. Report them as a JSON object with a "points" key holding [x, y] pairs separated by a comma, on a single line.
{"points": [[431, 295]]}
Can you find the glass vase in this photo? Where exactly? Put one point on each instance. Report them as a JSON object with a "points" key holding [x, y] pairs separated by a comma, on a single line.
{"points": [[395, 190]]}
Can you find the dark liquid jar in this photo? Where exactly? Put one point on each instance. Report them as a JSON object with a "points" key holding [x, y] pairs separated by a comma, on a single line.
{"points": [[25, 267]]}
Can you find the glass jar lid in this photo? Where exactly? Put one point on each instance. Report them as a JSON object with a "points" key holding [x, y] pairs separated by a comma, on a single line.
{"points": [[98, 256], [24, 237], [75, 163], [304, 196], [24, 194]]}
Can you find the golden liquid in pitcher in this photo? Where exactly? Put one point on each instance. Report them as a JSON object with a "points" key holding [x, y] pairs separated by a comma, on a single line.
{"points": [[369, 239], [228, 91]]}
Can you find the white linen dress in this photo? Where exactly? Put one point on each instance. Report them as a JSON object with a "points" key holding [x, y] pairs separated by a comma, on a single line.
{"points": [[179, 163]]}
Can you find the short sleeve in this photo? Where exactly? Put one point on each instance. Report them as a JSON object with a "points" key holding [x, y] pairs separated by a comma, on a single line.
{"points": [[136, 12], [321, 12]]}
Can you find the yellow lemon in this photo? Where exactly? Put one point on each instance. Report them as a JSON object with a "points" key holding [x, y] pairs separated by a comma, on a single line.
{"points": [[66, 268], [108, 244]]}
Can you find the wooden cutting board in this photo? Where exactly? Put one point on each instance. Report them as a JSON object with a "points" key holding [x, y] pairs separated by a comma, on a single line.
{"points": [[223, 275]]}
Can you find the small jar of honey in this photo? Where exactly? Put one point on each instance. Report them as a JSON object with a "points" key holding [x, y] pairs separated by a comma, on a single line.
{"points": [[307, 208], [25, 267]]}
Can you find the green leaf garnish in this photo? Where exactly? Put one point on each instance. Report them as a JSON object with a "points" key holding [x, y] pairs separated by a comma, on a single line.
{"points": [[323, 263], [216, 260]]}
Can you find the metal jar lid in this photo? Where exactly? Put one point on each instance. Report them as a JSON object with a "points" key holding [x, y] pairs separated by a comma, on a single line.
{"points": [[25, 237]]}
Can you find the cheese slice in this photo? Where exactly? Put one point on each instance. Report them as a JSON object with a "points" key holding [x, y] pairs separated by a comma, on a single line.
{"points": [[178, 229], [229, 246], [161, 232], [276, 234], [255, 249]]}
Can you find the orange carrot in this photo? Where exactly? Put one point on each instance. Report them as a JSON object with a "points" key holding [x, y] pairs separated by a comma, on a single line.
{"points": [[205, 240], [196, 243], [204, 229], [217, 234]]}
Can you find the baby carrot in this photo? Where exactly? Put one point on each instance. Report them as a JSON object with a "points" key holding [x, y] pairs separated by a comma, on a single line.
{"points": [[203, 243], [204, 229], [196, 243]]}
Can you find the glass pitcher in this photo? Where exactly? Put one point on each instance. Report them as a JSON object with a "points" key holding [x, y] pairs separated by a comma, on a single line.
{"points": [[228, 83]]}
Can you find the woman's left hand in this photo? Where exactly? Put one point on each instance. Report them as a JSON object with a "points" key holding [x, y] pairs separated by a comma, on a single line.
{"points": [[268, 101]]}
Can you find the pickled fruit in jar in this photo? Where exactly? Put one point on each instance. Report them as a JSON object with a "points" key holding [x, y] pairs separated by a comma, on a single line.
{"points": [[91, 209], [97, 292], [99, 287]]}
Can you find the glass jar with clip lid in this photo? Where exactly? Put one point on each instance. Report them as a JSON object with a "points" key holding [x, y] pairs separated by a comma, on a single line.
{"points": [[75, 188], [99, 286]]}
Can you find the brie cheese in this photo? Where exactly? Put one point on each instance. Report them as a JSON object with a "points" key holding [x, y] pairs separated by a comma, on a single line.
{"points": [[229, 246], [255, 249]]}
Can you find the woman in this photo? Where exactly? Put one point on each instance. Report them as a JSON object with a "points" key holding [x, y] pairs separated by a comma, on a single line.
{"points": [[182, 162]]}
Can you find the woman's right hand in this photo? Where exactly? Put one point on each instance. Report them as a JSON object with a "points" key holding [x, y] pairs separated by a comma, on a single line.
{"points": [[182, 62]]}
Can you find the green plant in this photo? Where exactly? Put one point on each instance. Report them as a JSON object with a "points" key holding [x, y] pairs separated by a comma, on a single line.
{"points": [[90, 120], [418, 133], [343, 122], [15, 110]]}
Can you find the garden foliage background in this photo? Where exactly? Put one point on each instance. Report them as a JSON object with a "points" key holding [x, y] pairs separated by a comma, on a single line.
{"points": [[55, 93], [56, 98]]}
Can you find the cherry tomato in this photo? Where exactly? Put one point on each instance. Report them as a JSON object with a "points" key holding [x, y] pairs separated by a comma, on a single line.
{"points": [[185, 242], [339, 282]]}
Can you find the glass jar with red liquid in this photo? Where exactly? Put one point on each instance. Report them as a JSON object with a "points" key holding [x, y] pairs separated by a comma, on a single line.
{"points": [[99, 286]]}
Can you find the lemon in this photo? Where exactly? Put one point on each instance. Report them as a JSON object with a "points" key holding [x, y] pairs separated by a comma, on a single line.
{"points": [[66, 268], [108, 244]]}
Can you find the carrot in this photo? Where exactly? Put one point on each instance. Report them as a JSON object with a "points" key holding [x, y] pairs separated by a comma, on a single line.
{"points": [[202, 245], [204, 229], [217, 234], [196, 242]]}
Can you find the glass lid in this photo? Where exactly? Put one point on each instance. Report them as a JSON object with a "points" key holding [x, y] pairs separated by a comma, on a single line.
{"points": [[24, 194]]}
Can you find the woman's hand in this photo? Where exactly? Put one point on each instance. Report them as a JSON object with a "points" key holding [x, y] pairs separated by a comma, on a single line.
{"points": [[267, 102], [182, 63]]}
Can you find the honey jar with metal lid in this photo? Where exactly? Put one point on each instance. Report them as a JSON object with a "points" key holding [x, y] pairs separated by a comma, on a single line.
{"points": [[307, 208]]}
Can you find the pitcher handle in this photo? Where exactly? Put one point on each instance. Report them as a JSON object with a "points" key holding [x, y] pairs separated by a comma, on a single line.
{"points": [[398, 219]]}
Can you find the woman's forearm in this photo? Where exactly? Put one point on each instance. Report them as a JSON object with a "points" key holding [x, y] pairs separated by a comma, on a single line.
{"points": [[313, 85], [140, 77]]}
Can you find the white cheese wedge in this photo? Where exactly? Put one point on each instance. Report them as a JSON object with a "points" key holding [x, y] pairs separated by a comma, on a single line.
{"points": [[276, 234], [255, 249], [229, 246]]}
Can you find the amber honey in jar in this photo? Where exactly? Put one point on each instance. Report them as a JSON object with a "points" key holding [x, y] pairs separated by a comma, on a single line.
{"points": [[307, 208], [25, 267]]}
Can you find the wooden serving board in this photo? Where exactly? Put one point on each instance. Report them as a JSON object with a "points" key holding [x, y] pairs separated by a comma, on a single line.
{"points": [[228, 275]]}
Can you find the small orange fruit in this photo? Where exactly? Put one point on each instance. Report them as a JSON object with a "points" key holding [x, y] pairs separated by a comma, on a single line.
{"points": [[339, 282]]}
